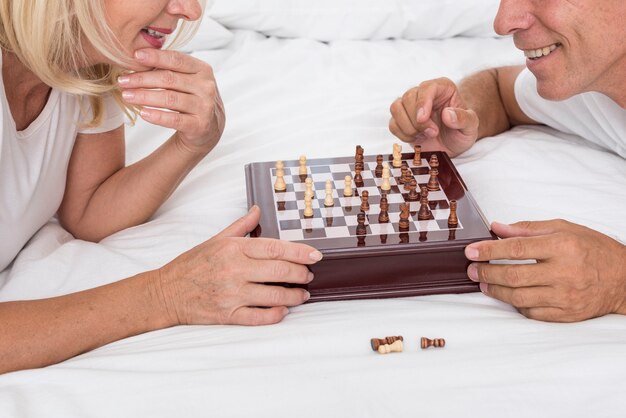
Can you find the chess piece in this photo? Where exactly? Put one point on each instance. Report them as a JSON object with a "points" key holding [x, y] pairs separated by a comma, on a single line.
{"points": [[395, 347], [424, 213], [377, 342], [303, 170], [358, 158], [347, 191], [397, 156], [434, 161], [433, 183], [329, 200], [386, 185], [358, 153], [308, 206], [453, 221], [308, 184], [378, 171], [280, 185], [361, 229], [403, 224], [365, 205], [423, 236], [404, 237], [413, 195], [417, 158], [436, 342], [383, 216], [358, 179]]}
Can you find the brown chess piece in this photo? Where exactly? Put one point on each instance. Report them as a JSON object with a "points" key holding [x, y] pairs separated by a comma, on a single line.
{"points": [[377, 342], [436, 342], [424, 213], [358, 178], [378, 171], [361, 229], [417, 158], [453, 220], [403, 169], [413, 195], [365, 205], [383, 216], [404, 217], [433, 182], [434, 161]]}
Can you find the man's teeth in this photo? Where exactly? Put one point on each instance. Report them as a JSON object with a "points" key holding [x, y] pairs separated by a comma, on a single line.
{"points": [[541, 52], [154, 33]]}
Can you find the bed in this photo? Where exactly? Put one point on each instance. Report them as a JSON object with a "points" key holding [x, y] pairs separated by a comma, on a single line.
{"points": [[317, 79]]}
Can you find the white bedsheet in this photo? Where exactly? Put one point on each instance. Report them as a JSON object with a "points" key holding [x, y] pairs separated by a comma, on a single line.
{"points": [[284, 98]]}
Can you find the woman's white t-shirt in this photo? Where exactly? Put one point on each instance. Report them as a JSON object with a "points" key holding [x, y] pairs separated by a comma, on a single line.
{"points": [[591, 115], [33, 164]]}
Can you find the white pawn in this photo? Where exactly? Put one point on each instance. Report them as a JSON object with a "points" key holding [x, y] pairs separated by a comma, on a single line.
{"points": [[303, 170], [397, 155], [347, 191], [309, 187], [386, 185], [280, 185], [308, 206], [329, 201], [396, 347]]}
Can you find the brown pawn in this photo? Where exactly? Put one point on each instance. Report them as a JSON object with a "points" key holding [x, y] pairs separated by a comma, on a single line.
{"points": [[358, 178], [378, 171], [403, 170], [424, 213], [404, 217], [361, 229], [453, 220], [365, 205], [383, 216], [436, 342], [434, 161], [377, 342], [417, 159], [413, 194], [433, 183]]}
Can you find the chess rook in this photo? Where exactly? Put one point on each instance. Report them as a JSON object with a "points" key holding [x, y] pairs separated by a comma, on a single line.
{"points": [[436, 342], [453, 221], [417, 158]]}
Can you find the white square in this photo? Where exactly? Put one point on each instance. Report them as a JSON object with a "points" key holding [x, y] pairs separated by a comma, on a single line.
{"points": [[315, 204], [337, 231], [312, 223], [350, 201], [395, 198], [340, 168], [441, 213], [380, 229], [284, 197], [321, 177], [331, 212], [292, 235], [429, 225], [287, 215]]}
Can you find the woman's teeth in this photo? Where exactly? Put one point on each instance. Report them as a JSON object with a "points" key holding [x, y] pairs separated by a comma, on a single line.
{"points": [[541, 52], [154, 33]]}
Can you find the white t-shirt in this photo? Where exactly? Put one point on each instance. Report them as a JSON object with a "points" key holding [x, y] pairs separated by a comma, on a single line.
{"points": [[592, 115], [33, 165]]}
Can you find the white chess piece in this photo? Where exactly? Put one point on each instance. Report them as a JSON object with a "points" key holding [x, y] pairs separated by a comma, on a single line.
{"points": [[308, 206], [347, 191], [397, 155], [309, 187], [386, 185], [280, 184], [303, 169], [329, 201]]}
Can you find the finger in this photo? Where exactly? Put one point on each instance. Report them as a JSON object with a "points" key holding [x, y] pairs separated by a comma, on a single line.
{"points": [[273, 249], [244, 225], [465, 121], [521, 297], [529, 228], [274, 295], [430, 94], [510, 275], [395, 129], [259, 316], [164, 79], [170, 60], [163, 99], [173, 120], [524, 248], [402, 118], [548, 314]]}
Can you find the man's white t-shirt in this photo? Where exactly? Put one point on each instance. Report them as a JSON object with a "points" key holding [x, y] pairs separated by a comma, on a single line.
{"points": [[592, 116], [33, 164]]}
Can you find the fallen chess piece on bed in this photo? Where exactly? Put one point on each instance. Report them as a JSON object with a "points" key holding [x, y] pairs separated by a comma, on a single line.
{"points": [[436, 342]]}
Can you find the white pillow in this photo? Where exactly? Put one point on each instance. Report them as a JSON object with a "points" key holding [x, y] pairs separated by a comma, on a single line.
{"points": [[328, 20], [210, 35]]}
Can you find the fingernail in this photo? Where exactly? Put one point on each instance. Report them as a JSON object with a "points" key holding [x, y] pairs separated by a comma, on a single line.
{"points": [[430, 132], [472, 272], [144, 113], [141, 55], [307, 295], [128, 95], [315, 255], [310, 277], [251, 208], [420, 113], [123, 80], [471, 253], [453, 117], [484, 287]]}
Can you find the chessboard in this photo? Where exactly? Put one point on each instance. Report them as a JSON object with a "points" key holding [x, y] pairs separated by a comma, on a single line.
{"points": [[388, 225]]}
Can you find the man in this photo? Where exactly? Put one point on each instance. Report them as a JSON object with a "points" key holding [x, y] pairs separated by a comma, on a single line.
{"points": [[575, 82]]}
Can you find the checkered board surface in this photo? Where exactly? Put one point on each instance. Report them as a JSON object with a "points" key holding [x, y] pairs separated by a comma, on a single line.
{"points": [[340, 220]]}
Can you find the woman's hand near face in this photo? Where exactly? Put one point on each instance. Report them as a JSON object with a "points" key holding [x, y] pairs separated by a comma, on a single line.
{"points": [[179, 93]]}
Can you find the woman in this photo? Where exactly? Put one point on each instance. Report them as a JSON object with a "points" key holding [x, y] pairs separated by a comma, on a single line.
{"points": [[65, 88]]}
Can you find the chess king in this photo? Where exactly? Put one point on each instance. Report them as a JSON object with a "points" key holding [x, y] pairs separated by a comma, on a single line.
{"points": [[571, 82]]}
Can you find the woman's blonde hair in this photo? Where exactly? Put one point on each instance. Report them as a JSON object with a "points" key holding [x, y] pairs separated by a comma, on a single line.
{"points": [[48, 37]]}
